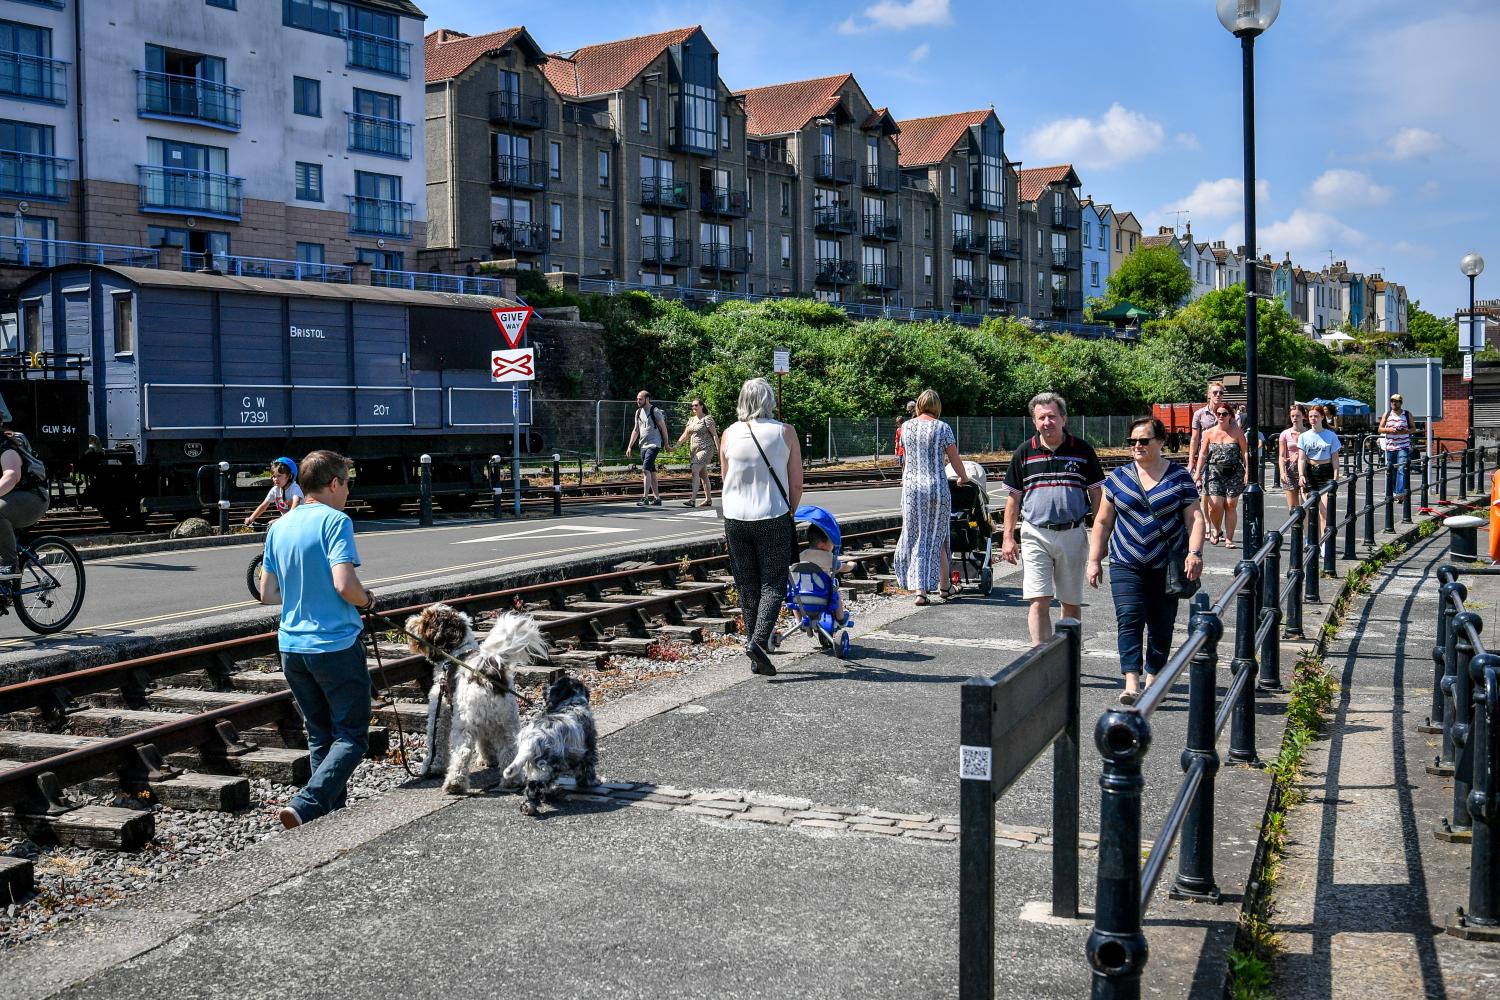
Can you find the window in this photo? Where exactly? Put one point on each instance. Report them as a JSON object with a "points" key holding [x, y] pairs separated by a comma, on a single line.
{"points": [[325, 16], [1103, 237], [309, 182], [557, 227], [25, 169], [307, 97], [1085, 234], [927, 223], [374, 104], [604, 229], [953, 180], [750, 245], [645, 113], [554, 160], [309, 253], [226, 4], [604, 168], [1094, 273], [190, 240], [786, 198], [124, 317], [927, 269], [384, 260], [1117, 240], [31, 326], [1132, 242], [724, 131], [1039, 244], [786, 250]]}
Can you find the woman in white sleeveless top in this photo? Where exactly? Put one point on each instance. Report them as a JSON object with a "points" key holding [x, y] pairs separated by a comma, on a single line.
{"points": [[1396, 426], [762, 469]]}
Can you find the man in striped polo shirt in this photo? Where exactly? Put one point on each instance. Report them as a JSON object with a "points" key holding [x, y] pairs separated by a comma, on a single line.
{"points": [[1055, 481]]}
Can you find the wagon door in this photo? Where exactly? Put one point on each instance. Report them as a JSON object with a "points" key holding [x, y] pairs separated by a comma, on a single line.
{"points": [[78, 331]]}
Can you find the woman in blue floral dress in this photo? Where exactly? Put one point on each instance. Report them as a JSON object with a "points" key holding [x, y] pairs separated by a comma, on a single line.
{"points": [[922, 553]]}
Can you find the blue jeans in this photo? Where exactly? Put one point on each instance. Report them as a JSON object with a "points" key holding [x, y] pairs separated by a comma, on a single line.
{"points": [[1399, 458], [333, 692], [1142, 605]]}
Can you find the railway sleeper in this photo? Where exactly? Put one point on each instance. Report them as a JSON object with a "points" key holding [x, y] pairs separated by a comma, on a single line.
{"points": [[168, 785], [99, 827], [17, 879], [275, 764]]}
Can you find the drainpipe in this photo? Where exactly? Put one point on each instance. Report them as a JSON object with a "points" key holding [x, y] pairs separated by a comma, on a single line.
{"points": [[448, 114], [83, 210]]}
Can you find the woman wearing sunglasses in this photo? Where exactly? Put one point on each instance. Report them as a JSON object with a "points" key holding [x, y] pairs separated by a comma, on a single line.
{"points": [[1291, 455], [1225, 467], [1320, 447]]}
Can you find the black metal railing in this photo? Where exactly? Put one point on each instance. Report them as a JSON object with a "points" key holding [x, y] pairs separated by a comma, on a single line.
{"points": [[722, 257], [833, 271], [969, 288], [1066, 218], [839, 169], [1008, 247], [664, 192], [510, 107], [721, 201], [881, 227], [968, 241], [665, 250], [30, 175], [882, 276], [987, 201], [1005, 291], [519, 172], [833, 219], [1066, 300], [33, 78], [522, 237], [877, 178], [1065, 260]]}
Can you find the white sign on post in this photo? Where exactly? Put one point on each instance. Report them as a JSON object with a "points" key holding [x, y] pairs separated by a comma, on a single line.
{"points": [[512, 323], [1471, 332], [1468, 366], [781, 361], [513, 366]]}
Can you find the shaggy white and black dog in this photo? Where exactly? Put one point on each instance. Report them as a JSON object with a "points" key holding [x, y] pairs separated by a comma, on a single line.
{"points": [[484, 719], [558, 741]]}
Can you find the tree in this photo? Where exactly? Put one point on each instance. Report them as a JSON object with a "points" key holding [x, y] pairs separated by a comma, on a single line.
{"points": [[1153, 278], [1433, 336]]}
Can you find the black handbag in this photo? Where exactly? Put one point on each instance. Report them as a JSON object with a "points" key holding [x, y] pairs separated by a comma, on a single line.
{"points": [[1178, 584], [793, 553]]}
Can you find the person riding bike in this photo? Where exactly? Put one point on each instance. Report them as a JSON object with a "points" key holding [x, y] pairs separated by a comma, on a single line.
{"points": [[284, 492], [23, 496]]}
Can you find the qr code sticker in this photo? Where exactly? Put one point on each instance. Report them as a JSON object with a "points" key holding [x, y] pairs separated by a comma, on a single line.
{"points": [[974, 763]]}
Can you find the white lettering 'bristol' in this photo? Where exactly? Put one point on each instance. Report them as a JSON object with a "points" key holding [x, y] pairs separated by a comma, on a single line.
{"points": [[313, 332]]}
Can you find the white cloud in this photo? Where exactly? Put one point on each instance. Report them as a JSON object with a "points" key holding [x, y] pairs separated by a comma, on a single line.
{"points": [[899, 16], [1117, 136], [918, 54], [1411, 143], [1220, 199], [1309, 235], [1188, 140], [1349, 187], [1430, 190]]}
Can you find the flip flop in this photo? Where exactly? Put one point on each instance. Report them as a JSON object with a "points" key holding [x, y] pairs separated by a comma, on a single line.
{"points": [[1126, 698], [922, 601]]}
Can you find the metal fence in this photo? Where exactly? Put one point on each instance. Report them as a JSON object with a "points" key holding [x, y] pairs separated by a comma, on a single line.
{"points": [[599, 429], [875, 437]]}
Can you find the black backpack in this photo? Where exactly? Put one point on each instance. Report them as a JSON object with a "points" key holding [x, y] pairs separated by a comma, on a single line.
{"points": [[33, 469]]}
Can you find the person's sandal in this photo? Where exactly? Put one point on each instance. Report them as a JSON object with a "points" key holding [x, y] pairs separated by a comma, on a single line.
{"points": [[1128, 697], [922, 601]]}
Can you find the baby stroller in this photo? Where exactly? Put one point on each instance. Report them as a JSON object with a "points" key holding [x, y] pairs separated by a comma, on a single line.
{"points": [[970, 531], [812, 592]]}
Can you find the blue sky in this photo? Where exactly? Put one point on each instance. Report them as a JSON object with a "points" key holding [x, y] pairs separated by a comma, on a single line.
{"points": [[1376, 141]]}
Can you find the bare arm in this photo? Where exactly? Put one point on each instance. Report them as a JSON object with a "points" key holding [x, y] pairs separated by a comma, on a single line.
{"points": [[10, 471], [1009, 551], [346, 582], [1193, 567], [270, 588], [1096, 497], [1104, 525], [1193, 444], [793, 465], [1245, 456], [258, 511]]}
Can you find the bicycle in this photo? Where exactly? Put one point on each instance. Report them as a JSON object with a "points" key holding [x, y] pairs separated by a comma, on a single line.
{"points": [[49, 593], [252, 575]]}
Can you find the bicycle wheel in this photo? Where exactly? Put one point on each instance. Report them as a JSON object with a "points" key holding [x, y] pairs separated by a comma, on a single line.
{"points": [[49, 594], [252, 575]]}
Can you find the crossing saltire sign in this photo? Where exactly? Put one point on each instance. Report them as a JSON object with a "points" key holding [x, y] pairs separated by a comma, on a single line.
{"points": [[513, 366]]}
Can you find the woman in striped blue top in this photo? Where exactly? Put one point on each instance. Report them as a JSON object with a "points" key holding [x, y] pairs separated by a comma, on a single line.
{"points": [[1148, 505]]}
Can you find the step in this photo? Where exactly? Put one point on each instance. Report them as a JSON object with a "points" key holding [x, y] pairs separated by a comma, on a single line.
{"points": [[861, 587], [119, 721], [623, 646], [186, 699], [108, 827], [17, 880]]}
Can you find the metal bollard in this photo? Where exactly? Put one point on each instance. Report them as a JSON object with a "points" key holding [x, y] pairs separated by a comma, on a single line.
{"points": [[426, 476], [1296, 561], [1116, 946], [1242, 722], [1434, 723], [556, 485], [1484, 799], [1276, 475], [1351, 514], [1312, 533], [1406, 497], [1462, 691], [1426, 507], [1270, 599], [1443, 765], [223, 498], [1330, 544], [1390, 501], [497, 488], [1443, 476], [1195, 861]]}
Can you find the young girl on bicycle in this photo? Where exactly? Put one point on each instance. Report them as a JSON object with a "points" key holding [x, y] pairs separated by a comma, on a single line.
{"points": [[285, 493]]}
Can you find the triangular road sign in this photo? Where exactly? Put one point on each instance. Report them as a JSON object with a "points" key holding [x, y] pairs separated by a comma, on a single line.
{"points": [[512, 323]]}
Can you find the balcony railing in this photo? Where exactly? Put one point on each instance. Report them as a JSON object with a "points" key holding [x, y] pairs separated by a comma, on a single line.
{"points": [[267, 267], [1005, 291], [577, 114], [1065, 300], [987, 201], [839, 169], [969, 288], [380, 217], [881, 227], [665, 250], [33, 78], [883, 276], [877, 178], [664, 192], [378, 54], [190, 192], [27, 252], [509, 107], [833, 219], [967, 241], [428, 281], [721, 201], [518, 237], [1066, 218], [519, 172], [1008, 247], [29, 175], [722, 257], [1065, 260], [833, 271], [187, 98], [381, 136]]}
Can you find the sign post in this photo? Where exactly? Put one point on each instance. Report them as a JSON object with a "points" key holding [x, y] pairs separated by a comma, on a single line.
{"points": [[515, 365], [781, 364]]}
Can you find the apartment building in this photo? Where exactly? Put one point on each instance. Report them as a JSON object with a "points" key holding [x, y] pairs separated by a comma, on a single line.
{"points": [[1098, 222], [1051, 224], [215, 126], [1127, 237]]}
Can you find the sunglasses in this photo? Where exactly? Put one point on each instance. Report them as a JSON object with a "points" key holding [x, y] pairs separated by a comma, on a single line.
{"points": [[1141, 442], [1223, 413]]}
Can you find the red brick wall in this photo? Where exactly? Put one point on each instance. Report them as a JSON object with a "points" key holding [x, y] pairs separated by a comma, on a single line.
{"points": [[1455, 422]]}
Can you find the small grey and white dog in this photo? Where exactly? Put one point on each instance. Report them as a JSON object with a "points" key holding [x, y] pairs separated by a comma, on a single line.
{"points": [[558, 741], [484, 718]]}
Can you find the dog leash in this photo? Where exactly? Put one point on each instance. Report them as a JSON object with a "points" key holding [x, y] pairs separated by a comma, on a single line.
{"points": [[380, 666], [441, 654]]}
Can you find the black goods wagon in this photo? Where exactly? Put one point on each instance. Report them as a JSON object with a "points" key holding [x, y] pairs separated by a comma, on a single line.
{"points": [[185, 370], [1273, 398]]}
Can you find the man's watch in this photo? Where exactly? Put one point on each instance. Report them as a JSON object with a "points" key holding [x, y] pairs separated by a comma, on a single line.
{"points": [[1196, 552]]}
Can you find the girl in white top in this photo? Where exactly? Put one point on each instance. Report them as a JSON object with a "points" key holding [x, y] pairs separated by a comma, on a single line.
{"points": [[284, 494], [1396, 426], [1320, 447]]}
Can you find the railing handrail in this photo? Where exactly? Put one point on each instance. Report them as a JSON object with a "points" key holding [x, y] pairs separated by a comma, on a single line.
{"points": [[196, 81], [190, 172]]}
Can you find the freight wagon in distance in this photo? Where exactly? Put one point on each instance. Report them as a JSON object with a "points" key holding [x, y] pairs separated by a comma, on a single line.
{"points": [[1274, 397], [185, 370]]}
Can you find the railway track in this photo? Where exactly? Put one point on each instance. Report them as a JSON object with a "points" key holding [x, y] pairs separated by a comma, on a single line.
{"points": [[189, 728]]}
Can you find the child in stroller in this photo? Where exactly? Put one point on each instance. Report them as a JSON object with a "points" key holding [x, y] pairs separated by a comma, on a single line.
{"points": [[970, 530], [812, 590]]}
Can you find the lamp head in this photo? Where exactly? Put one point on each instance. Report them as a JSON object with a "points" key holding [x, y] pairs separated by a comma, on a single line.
{"points": [[1247, 17], [1472, 265]]}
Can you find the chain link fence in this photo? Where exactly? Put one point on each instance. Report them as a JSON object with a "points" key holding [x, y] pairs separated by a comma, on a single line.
{"points": [[875, 437]]}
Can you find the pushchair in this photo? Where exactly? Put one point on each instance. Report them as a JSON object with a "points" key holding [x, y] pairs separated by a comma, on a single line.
{"points": [[970, 530], [812, 592]]}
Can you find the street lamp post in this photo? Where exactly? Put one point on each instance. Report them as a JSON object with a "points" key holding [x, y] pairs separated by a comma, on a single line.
{"points": [[1472, 266], [1246, 19]]}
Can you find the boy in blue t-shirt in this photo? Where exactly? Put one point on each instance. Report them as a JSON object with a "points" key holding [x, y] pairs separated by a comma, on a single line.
{"points": [[309, 569]]}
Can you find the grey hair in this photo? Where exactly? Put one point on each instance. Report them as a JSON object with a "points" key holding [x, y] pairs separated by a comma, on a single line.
{"points": [[1047, 399], [757, 400]]}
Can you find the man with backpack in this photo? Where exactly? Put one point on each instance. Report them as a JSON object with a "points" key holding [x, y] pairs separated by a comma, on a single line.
{"points": [[23, 494], [650, 429]]}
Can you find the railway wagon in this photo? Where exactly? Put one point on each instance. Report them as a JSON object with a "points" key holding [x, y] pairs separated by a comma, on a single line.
{"points": [[1274, 401], [186, 370]]}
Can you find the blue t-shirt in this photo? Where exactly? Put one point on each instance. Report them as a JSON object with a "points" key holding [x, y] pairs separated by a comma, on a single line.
{"points": [[1320, 446], [302, 548]]}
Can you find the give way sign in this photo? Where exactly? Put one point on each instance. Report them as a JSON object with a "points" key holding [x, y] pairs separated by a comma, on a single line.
{"points": [[512, 323], [513, 366]]}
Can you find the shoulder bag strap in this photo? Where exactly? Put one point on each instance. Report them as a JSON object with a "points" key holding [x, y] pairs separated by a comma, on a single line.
{"points": [[779, 489]]}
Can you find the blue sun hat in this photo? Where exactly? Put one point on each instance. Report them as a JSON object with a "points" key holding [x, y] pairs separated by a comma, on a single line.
{"points": [[811, 514]]}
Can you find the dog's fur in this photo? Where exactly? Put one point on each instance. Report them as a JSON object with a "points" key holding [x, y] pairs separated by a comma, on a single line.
{"points": [[484, 717], [560, 740]]}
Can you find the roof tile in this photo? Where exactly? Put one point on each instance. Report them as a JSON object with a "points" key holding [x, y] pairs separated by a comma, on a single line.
{"points": [[925, 141], [1035, 180], [449, 53], [610, 66], [787, 107]]}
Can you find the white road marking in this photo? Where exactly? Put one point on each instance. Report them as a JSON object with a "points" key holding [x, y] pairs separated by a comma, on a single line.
{"points": [[552, 531]]}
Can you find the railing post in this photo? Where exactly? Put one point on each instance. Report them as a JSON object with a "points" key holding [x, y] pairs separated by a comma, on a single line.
{"points": [[1296, 566], [1463, 727], [1426, 471], [1270, 599], [556, 485], [1465, 468], [1066, 787], [223, 498], [1116, 947], [1390, 498], [497, 490], [1246, 618], [1444, 763], [1484, 799], [1313, 535], [1443, 476], [1351, 514], [426, 477], [1434, 723], [976, 847], [1195, 861], [1479, 472], [1406, 497]]}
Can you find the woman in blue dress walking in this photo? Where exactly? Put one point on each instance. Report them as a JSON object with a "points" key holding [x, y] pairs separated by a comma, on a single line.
{"points": [[922, 553]]}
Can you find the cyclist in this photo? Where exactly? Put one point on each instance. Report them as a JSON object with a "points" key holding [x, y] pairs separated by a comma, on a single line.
{"points": [[284, 493]]}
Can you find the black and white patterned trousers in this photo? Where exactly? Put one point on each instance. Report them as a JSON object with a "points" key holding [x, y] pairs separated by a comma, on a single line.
{"points": [[758, 559]]}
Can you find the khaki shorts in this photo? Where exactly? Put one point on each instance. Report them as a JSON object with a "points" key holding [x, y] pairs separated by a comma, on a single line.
{"points": [[1053, 562]]}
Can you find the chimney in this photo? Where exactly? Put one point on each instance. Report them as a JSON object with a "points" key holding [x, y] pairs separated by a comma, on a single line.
{"points": [[168, 258], [359, 272], [1165, 231], [1219, 245], [449, 35], [1240, 250]]}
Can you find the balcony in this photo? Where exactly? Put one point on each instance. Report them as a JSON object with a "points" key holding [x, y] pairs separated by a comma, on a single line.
{"points": [[508, 107], [877, 178], [377, 54], [518, 172], [29, 175], [839, 169], [1006, 247], [880, 276], [1066, 218], [967, 241], [33, 78], [833, 271], [721, 201], [187, 99], [665, 251], [833, 219], [380, 136], [881, 227], [722, 257], [664, 192], [190, 192], [1005, 291], [267, 267], [987, 201], [518, 237], [969, 288], [1064, 300], [1065, 260], [380, 217]]}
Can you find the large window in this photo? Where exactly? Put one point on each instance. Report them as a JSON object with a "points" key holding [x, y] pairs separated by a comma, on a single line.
{"points": [[326, 16], [310, 253], [307, 97], [190, 240], [987, 170], [374, 104], [124, 320], [697, 98], [28, 71], [309, 182], [27, 166]]}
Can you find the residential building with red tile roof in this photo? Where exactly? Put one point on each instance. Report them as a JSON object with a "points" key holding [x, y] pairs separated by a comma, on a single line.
{"points": [[1126, 238], [1051, 232]]}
